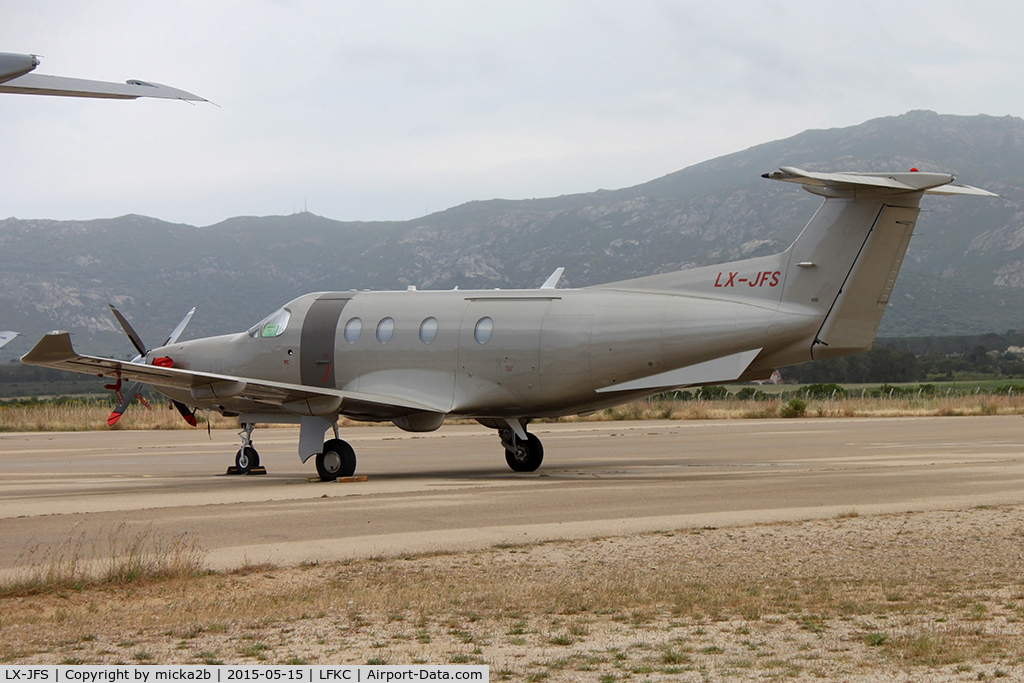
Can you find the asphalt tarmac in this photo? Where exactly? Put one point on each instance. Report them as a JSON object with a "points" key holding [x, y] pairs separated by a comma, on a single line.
{"points": [[451, 489]]}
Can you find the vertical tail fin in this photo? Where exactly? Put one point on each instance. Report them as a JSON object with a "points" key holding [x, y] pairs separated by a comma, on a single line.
{"points": [[830, 288], [844, 265], [845, 262]]}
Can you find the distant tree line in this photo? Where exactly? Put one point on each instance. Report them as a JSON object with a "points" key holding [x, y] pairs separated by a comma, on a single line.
{"points": [[949, 345], [29, 380], [885, 363]]}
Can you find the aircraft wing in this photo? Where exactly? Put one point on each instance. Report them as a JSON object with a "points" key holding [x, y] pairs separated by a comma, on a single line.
{"points": [[6, 337], [55, 350], [38, 84]]}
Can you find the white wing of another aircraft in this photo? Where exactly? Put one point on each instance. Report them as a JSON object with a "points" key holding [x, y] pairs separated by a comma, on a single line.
{"points": [[6, 337], [15, 77]]}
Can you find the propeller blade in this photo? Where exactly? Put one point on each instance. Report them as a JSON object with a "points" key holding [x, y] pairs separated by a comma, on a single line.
{"points": [[126, 400], [129, 330], [186, 412], [133, 391], [180, 328]]}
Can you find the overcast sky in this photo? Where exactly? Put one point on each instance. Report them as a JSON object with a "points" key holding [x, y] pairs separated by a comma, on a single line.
{"points": [[386, 110]]}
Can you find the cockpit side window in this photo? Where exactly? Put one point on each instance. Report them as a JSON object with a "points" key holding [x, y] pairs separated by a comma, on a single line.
{"points": [[273, 325]]}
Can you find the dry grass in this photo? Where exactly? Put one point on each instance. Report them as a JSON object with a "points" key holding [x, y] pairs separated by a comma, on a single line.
{"points": [[848, 407], [120, 557], [92, 415], [88, 415], [854, 597]]}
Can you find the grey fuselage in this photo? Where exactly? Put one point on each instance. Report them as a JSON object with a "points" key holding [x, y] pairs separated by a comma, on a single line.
{"points": [[547, 354]]}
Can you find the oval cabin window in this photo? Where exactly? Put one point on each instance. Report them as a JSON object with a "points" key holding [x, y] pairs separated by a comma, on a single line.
{"points": [[428, 330], [483, 329], [352, 329], [385, 330]]}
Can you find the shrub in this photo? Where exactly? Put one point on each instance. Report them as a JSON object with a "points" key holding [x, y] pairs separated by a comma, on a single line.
{"points": [[795, 408], [876, 639]]}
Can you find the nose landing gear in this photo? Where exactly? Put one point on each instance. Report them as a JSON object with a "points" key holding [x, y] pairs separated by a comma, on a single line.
{"points": [[247, 460]]}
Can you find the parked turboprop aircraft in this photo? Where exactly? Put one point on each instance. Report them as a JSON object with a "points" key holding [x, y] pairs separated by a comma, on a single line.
{"points": [[15, 77], [506, 357]]}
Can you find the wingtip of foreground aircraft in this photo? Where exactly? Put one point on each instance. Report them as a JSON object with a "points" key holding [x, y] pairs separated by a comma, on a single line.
{"points": [[508, 357]]}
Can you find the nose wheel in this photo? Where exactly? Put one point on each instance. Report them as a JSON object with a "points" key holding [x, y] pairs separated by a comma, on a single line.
{"points": [[247, 460], [337, 460]]}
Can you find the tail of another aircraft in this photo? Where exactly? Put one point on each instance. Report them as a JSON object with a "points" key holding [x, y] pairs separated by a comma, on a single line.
{"points": [[840, 271]]}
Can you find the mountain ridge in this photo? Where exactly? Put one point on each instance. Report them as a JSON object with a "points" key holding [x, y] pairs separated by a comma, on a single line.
{"points": [[964, 271]]}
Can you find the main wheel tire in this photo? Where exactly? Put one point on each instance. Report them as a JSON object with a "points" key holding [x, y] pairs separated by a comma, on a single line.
{"points": [[337, 460], [527, 456], [246, 459]]}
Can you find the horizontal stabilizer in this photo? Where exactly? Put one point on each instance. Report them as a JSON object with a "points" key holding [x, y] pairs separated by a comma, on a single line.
{"points": [[724, 369], [837, 184]]}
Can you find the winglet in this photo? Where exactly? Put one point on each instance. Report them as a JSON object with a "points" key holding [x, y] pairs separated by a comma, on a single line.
{"points": [[54, 347]]}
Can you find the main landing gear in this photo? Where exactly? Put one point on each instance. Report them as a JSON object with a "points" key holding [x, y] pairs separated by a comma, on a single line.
{"points": [[522, 455], [337, 460], [247, 460]]}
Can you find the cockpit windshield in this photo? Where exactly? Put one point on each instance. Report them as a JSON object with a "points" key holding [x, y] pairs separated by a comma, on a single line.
{"points": [[273, 325]]}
